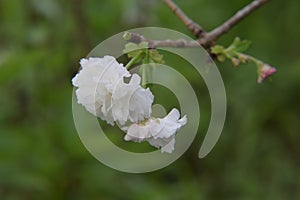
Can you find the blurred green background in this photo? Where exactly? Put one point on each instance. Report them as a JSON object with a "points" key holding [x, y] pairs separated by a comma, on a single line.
{"points": [[41, 155]]}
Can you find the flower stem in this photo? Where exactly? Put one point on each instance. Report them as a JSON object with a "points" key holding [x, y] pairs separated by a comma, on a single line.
{"points": [[146, 70], [134, 60], [144, 77]]}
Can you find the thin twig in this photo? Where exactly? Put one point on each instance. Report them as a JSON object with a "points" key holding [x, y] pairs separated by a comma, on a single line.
{"points": [[181, 43], [206, 39], [193, 27], [226, 26]]}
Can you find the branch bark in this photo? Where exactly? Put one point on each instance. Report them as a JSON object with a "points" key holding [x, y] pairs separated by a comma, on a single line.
{"points": [[227, 25], [193, 27], [181, 43], [208, 39]]}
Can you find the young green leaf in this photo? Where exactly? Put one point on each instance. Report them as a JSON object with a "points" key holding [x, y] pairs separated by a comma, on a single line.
{"points": [[132, 49], [217, 49], [239, 45], [156, 56]]}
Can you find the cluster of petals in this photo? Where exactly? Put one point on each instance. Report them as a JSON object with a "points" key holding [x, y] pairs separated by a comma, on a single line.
{"points": [[159, 132], [102, 91]]}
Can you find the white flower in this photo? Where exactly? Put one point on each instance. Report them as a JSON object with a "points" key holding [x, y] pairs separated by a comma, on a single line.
{"points": [[159, 132], [131, 101], [103, 92]]}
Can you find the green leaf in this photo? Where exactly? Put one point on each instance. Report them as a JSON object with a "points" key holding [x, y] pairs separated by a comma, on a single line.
{"points": [[217, 49], [221, 57], [132, 49], [239, 45], [156, 56], [134, 54], [143, 45]]}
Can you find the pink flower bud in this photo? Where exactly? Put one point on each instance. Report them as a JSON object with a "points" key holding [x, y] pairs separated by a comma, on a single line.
{"points": [[235, 61], [264, 72]]}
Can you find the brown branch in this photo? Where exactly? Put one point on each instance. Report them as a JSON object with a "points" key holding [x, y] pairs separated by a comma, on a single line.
{"points": [[227, 25], [206, 39], [193, 27], [181, 43]]}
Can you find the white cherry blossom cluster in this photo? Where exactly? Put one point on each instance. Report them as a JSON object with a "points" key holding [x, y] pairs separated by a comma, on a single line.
{"points": [[101, 89]]}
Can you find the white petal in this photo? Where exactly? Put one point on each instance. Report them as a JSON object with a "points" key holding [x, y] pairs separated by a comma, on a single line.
{"points": [[140, 104], [158, 132], [137, 133], [169, 148], [167, 126]]}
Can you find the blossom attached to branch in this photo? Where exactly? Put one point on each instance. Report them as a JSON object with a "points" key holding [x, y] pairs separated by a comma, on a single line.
{"points": [[102, 91]]}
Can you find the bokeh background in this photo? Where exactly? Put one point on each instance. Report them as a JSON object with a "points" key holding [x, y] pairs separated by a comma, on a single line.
{"points": [[41, 155]]}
